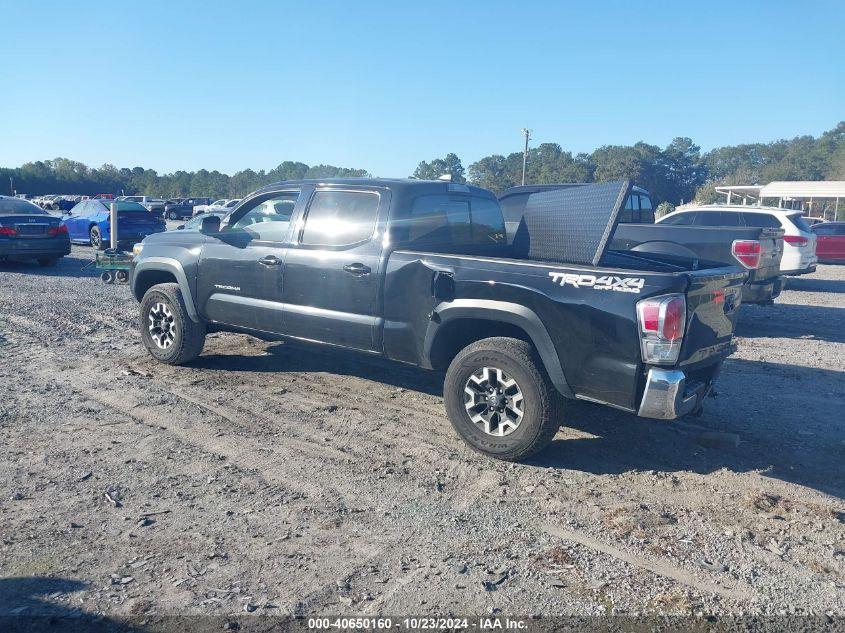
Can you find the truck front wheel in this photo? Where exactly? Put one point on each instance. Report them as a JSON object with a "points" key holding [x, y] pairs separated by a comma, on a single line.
{"points": [[167, 330], [500, 400]]}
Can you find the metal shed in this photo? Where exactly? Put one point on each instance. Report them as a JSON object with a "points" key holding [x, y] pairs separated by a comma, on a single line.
{"points": [[806, 195]]}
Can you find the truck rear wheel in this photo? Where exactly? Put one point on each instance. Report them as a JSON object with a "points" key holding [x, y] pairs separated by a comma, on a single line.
{"points": [[500, 400], [167, 330]]}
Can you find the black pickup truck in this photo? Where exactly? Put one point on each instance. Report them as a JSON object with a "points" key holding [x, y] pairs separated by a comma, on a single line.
{"points": [[421, 272], [757, 250]]}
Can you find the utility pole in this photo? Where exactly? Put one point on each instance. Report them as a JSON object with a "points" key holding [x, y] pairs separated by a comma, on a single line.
{"points": [[527, 133], [12, 184]]}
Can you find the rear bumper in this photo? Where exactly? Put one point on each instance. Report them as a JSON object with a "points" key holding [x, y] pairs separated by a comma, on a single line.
{"points": [[801, 271], [669, 395], [32, 249], [762, 292]]}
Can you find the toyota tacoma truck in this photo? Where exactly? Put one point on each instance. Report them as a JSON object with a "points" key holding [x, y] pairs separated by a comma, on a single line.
{"points": [[421, 272], [757, 249]]}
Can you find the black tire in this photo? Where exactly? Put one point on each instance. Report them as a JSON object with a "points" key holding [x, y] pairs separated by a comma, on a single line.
{"points": [[173, 215], [541, 403], [188, 337], [96, 238], [47, 262]]}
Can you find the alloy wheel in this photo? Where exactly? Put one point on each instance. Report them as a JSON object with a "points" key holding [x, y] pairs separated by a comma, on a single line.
{"points": [[494, 401], [161, 325]]}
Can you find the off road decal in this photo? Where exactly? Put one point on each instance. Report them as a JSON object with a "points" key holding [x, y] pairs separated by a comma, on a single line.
{"points": [[604, 282]]}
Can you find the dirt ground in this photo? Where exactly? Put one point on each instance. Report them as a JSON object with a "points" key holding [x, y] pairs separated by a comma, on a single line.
{"points": [[273, 479]]}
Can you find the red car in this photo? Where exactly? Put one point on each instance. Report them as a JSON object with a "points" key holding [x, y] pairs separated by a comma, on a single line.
{"points": [[830, 242]]}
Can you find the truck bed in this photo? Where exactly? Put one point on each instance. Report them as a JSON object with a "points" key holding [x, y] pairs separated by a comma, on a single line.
{"points": [[706, 242], [588, 312]]}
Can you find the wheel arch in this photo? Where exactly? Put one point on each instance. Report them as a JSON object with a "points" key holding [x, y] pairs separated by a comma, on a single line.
{"points": [[158, 270], [458, 323]]}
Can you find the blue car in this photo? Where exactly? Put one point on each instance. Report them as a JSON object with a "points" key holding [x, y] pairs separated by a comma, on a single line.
{"points": [[88, 223]]}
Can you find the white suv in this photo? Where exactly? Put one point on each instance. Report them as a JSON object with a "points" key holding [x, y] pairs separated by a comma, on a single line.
{"points": [[218, 206], [799, 242]]}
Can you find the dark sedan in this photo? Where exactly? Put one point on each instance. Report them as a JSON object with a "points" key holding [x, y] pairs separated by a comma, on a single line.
{"points": [[29, 232]]}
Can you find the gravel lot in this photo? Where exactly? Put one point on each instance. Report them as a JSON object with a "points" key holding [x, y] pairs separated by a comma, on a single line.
{"points": [[272, 479]]}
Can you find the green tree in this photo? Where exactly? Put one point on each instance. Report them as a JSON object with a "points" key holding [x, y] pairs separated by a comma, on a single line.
{"points": [[450, 164]]}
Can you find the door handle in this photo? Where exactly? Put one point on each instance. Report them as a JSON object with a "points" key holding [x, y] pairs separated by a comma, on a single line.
{"points": [[359, 270], [270, 260]]}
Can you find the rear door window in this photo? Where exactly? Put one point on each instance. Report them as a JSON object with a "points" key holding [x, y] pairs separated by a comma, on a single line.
{"points": [[821, 229], [681, 219], [340, 218], [761, 220], [444, 220], [718, 218]]}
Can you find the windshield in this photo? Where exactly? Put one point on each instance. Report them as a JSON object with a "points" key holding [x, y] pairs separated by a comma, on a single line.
{"points": [[18, 206]]}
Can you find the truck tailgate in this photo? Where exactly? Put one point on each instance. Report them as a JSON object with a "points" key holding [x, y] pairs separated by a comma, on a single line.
{"points": [[771, 251], [713, 299]]}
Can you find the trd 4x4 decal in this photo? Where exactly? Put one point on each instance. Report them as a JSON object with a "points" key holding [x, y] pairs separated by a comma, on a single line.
{"points": [[605, 282]]}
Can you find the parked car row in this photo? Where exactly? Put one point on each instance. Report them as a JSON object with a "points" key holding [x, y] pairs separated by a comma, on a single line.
{"points": [[172, 208]]}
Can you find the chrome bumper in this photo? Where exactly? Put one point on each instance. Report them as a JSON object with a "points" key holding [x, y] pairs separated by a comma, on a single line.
{"points": [[668, 396]]}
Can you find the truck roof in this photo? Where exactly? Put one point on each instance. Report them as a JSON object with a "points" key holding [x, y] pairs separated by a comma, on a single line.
{"points": [[403, 186]]}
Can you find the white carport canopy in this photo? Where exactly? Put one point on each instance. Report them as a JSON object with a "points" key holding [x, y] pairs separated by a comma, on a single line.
{"points": [[802, 194]]}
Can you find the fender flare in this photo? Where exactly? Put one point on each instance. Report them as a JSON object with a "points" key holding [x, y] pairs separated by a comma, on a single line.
{"points": [[504, 312], [173, 266]]}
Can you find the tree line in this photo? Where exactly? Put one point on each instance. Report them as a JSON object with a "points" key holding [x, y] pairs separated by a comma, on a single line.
{"points": [[677, 173], [65, 176]]}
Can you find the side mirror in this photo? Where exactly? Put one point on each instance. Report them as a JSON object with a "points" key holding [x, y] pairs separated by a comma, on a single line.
{"points": [[210, 225], [180, 227]]}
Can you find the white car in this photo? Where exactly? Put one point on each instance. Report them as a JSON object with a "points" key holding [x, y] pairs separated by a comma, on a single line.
{"points": [[799, 242], [223, 205]]}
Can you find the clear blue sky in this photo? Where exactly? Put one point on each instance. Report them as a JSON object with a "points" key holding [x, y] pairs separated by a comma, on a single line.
{"points": [[383, 85]]}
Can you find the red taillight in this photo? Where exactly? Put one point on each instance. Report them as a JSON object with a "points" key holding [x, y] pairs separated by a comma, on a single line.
{"points": [[57, 230], [673, 320], [662, 322], [747, 252], [650, 314], [8, 231], [795, 240]]}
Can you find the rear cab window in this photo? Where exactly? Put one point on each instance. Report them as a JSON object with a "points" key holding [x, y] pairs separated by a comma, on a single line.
{"points": [[637, 210]]}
